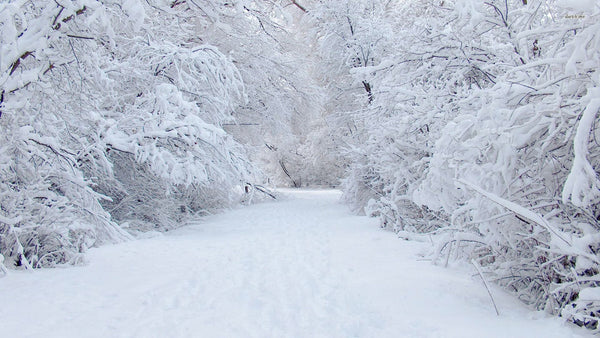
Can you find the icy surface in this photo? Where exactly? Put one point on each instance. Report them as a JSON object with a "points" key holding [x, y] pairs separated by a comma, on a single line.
{"points": [[300, 267]]}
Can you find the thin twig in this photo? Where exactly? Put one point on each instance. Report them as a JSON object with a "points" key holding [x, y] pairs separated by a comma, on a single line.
{"points": [[487, 287], [302, 8]]}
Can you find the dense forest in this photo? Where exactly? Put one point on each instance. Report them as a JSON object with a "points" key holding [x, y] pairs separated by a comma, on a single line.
{"points": [[469, 124]]}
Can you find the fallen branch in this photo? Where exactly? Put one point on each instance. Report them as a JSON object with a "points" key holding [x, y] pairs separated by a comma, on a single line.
{"points": [[265, 191]]}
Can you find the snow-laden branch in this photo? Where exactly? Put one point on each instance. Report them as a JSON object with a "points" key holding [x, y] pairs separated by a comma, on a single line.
{"points": [[582, 186], [517, 209]]}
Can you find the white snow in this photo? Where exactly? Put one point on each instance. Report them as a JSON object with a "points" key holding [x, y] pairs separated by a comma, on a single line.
{"points": [[300, 267], [582, 184], [579, 5]]}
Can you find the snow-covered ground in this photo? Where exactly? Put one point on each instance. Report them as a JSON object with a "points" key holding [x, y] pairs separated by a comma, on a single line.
{"points": [[300, 267]]}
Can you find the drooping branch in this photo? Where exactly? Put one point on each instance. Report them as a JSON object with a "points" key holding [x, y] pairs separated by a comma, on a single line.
{"points": [[287, 173], [16, 64], [519, 210]]}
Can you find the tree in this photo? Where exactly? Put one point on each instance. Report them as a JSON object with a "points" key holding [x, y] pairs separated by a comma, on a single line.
{"points": [[481, 132], [108, 117]]}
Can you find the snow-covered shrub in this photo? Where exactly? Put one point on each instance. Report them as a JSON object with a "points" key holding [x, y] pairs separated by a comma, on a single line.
{"points": [[167, 138], [415, 88], [107, 116], [482, 132], [49, 212], [509, 169]]}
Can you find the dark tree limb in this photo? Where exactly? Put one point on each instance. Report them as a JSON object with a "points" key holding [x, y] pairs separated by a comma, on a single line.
{"points": [[288, 173], [176, 3], [369, 90], [68, 18], [16, 64], [261, 189], [1, 101], [302, 8], [80, 37]]}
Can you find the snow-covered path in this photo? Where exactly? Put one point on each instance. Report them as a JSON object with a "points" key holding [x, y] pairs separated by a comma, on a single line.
{"points": [[301, 267]]}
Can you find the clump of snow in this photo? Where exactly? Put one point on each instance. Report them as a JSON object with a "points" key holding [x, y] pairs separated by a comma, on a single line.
{"points": [[135, 11]]}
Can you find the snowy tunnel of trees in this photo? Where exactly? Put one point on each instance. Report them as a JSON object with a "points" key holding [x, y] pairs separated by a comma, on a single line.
{"points": [[471, 124]]}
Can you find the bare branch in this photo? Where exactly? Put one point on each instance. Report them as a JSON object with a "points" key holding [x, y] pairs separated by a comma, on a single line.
{"points": [[80, 37], [302, 8]]}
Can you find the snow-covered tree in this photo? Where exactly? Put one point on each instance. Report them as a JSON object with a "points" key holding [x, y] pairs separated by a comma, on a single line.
{"points": [[109, 116], [50, 213], [481, 131]]}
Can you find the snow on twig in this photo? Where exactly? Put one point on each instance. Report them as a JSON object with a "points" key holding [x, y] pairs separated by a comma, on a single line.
{"points": [[519, 210], [582, 184]]}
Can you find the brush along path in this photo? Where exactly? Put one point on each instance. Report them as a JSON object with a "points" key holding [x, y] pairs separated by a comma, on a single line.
{"points": [[303, 266]]}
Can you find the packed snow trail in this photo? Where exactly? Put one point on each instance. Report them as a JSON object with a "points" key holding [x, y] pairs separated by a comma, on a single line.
{"points": [[300, 267]]}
